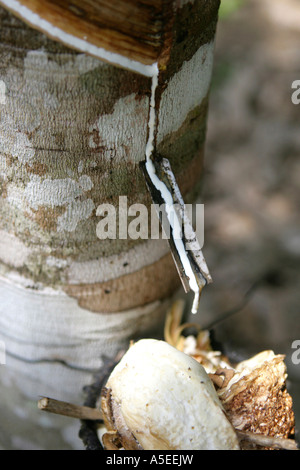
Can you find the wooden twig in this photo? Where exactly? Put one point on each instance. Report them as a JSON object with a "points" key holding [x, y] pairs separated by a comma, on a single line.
{"points": [[68, 409], [267, 441]]}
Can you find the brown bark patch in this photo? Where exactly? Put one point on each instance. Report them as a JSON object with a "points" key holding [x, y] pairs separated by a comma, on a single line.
{"points": [[3, 189], [188, 181], [46, 217], [156, 281], [37, 168], [186, 144]]}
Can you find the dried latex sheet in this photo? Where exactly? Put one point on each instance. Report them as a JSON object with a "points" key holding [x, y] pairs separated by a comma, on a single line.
{"points": [[180, 394], [158, 398]]}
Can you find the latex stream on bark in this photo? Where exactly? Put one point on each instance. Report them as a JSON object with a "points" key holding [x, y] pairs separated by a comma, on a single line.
{"points": [[192, 268]]}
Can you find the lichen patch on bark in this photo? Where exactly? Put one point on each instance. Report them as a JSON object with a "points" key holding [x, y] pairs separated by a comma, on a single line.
{"points": [[121, 135], [185, 91]]}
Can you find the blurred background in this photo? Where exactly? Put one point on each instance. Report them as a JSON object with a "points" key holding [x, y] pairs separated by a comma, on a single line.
{"points": [[251, 185]]}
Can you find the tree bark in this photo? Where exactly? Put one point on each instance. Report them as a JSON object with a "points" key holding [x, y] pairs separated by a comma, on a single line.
{"points": [[73, 130]]}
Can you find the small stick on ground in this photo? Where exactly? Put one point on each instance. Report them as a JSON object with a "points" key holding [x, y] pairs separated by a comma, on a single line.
{"points": [[267, 441], [68, 409]]}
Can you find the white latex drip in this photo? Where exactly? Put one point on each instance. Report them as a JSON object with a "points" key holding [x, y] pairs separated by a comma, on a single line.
{"points": [[167, 197]]}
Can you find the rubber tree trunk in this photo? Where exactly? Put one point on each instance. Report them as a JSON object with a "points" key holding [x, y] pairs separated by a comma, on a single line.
{"points": [[72, 132]]}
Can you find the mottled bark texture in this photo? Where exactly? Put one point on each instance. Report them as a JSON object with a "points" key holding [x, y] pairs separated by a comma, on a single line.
{"points": [[73, 130]]}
